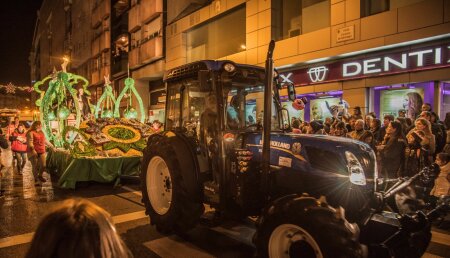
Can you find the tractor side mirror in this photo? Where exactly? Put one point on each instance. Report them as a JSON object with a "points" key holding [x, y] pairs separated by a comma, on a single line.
{"points": [[283, 115], [291, 91]]}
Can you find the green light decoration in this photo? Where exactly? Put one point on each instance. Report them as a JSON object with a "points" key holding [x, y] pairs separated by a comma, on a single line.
{"points": [[129, 86], [106, 102], [54, 100], [130, 113], [51, 116]]}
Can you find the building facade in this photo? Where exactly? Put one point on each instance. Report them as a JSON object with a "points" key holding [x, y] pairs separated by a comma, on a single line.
{"points": [[113, 38], [379, 55]]}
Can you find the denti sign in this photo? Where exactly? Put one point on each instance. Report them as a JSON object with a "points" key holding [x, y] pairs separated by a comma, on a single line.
{"points": [[385, 63]]}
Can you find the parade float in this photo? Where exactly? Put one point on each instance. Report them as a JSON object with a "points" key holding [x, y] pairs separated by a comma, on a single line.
{"points": [[101, 146]]}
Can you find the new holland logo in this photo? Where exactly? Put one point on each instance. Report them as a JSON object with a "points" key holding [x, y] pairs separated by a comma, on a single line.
{"points": [[317, 74]]}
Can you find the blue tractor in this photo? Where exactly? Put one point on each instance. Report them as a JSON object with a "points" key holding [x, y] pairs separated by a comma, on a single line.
{"points": [[227, 143]]}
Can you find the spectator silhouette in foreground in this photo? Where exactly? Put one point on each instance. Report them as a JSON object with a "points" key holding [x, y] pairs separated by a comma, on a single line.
{"points": [[78, 228]]}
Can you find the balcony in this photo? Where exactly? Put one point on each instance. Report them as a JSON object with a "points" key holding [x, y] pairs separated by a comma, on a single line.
{"points": [[95, 46], [133, 57], [151, 49], [95, 77], [104, 9], [105, 40], [149, 9], [134, 19]]}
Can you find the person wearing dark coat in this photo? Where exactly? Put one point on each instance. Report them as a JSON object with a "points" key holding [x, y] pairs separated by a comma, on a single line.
{"points": [[392, 151], [375, 128]]}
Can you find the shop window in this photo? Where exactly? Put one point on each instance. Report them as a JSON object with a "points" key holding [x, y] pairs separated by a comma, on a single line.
{"points": [[445, 99], [218, 38], [291, 18], [371, 7]]}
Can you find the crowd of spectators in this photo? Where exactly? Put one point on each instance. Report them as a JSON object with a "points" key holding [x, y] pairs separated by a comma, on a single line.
{"points": [[403, 145]]}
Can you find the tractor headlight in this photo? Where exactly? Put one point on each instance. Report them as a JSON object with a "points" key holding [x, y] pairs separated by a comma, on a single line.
{"points": [[229, 67], [355, 170]]}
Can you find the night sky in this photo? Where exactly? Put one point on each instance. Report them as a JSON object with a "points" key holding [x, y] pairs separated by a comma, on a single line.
{"points": [[17, 22]]}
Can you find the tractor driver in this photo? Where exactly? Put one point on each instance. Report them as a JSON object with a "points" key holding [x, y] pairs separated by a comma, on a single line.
{"points": [[208, 120], [233, 109]]}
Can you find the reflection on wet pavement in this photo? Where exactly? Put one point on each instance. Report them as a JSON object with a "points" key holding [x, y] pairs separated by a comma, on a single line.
{"points": [[17, 186]]}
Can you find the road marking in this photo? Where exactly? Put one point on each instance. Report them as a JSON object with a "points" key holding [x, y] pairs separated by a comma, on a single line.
{"points": [[132, 190], [170, 247], [440, 238], [26, 238]]}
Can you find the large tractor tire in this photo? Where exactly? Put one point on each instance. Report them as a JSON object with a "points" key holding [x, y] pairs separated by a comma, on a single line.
{"points": [[165, 188], [303, 228]]}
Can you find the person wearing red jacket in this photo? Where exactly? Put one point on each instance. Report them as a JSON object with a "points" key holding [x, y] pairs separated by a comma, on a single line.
{"points": [[36, 153], [19, 146]]}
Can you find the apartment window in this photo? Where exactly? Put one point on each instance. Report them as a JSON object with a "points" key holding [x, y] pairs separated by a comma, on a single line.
{"points": [[291, 18], [151, 29], [371, 7], [135, 39], [217, 38]]}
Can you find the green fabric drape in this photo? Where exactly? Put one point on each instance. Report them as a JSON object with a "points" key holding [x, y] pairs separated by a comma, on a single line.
{"points": [[104, 170]]}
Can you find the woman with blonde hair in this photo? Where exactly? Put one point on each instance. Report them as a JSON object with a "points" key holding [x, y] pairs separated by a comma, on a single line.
{"points": [[78, 228], [427, 141]]}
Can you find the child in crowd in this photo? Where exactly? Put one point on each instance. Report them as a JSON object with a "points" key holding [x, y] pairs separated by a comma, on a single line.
{"points": [[78, 228]]}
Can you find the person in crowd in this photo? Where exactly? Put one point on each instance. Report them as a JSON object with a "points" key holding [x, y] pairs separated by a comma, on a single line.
{"points": [[387, 119], [434, 119], [428, 141], [368, 138], [392, 150], [315, 127], [416, 156], [36, 143], [327, 124], [375, 128], [442, 181], [296, 126], [19, 146], [340, 130], [357, 113], [351, 124], [12, 127], [436, 130], [156, 126], [3, 145], [372, 114], [412, 103], [405, 127], [359, 130], [402, 113], [409, 123], [367, 122], [426, 107], [447, 127], [77, 228]]}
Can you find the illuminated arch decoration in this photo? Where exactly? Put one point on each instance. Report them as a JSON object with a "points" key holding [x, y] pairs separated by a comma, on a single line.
{"points": [[130, 112], [106, 102], [53, 101]]}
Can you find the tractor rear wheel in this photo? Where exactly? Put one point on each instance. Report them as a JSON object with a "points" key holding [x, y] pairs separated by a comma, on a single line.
{"points": [[164, 191]]}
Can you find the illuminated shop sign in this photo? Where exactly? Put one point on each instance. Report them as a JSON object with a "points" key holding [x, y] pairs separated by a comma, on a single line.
{"points": [[372, 65]]}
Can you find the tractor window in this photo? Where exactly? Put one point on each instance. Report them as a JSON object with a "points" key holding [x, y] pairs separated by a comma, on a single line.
{"points": [[197, 106], [244, 109], [326, 160]]}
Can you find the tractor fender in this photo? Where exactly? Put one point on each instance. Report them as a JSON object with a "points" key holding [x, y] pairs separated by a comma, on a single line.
{"points": [[285, 203], [184, 152]]}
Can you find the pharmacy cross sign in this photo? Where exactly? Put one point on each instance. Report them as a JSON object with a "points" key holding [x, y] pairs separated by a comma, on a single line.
{"points": [[391, 62]]}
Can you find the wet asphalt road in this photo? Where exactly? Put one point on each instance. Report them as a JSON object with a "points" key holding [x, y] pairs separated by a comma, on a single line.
{"points": [[25, 204]]}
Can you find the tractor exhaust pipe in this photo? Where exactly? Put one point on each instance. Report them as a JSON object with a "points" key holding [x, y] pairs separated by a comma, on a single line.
{"points": [[267, 120]]}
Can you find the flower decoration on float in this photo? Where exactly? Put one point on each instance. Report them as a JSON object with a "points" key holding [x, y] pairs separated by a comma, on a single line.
{"points": [[56, 92]]}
